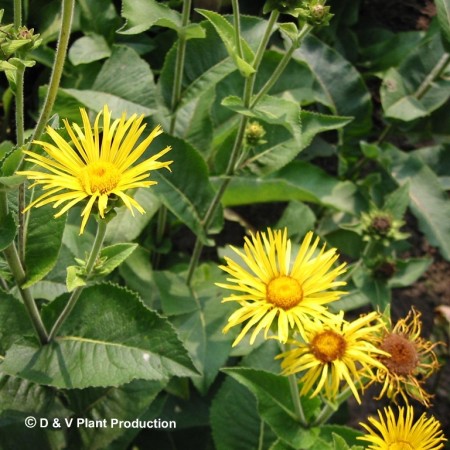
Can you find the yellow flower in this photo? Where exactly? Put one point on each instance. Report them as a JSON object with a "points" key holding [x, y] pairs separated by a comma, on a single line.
{"points": [[334, 351], [269, 287], [98, 164], [411, 361], [402, 434]]}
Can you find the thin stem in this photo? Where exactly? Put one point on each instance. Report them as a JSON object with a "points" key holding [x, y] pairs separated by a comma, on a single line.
{"points": [[67, 9], [281, 66], [329, 409], [293, 386], [237, 27], [422, 89], [96, 248], [179, 64], [17, 13], [13, 260], [237, 146]]}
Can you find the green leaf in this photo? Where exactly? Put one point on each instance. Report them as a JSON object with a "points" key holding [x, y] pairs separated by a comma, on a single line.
{"points": [[141, 15], [397, 202], [118, 87], [345, 96], [443, 15], [272, 110], [186, 190], [235, 421], [428, 202], [127, 403], [373, 288], [403, 93], [227, 33], [115, 255], [44, 238], [88, 49], [75, 278], [14, 322], [126, 342], [8, 230], [297, 181], [275, 405], [408, 271], [197, 316]]}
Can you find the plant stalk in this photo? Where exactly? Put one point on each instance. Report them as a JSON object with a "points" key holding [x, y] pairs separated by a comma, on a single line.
{"points": [[67, 8], [293, 386], [237, 27], [237, 146], [13, 260], [95, 252], [328, 410]]}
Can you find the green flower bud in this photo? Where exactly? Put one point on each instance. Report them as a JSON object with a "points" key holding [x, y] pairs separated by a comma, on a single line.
{"points": [[254, 132]]}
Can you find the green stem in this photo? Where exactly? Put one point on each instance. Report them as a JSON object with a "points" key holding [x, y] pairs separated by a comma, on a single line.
{"points": [[329, 409], [95, 252], [237, 27], [176, 97], [426, 84], [281, 66], [293, 386], [67, 9], [237, 146], [179, 64], [17, 13], [13, 260]]}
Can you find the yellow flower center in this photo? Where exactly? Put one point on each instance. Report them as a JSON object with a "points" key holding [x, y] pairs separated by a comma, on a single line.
{"points": [[284, 292], [328, 346], [400, 445], [404, 358], [99, 176]]}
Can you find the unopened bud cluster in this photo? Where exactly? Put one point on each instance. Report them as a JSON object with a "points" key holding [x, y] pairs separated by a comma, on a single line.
{"points": [[313, 12]]}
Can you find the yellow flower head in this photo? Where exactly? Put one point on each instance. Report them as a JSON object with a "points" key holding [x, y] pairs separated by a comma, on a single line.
{"points": [[411, 361], [403, 433], [334, 351], [270, 288], [98, 164]]}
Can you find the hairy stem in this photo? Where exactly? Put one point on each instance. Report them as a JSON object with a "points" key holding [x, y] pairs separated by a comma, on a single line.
{"points": [[237, 27], [95, 252], [329, 409], [67, 8]]}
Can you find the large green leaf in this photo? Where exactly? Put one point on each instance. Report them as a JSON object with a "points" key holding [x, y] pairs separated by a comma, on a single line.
{"points": [[276, 407], [8, 230], [127, 403], [44, 238], [14, 322], [443, 14], [88, 49], [344, 95], [198, 316], [118, 87], [297, 181], [186, 191], [403, 93], [109, 339], [427, 200]]}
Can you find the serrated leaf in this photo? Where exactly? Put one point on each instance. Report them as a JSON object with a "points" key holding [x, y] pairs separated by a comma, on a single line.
{"points": [[44, 238], [126, 341], [8, 230], [227, 33]]}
